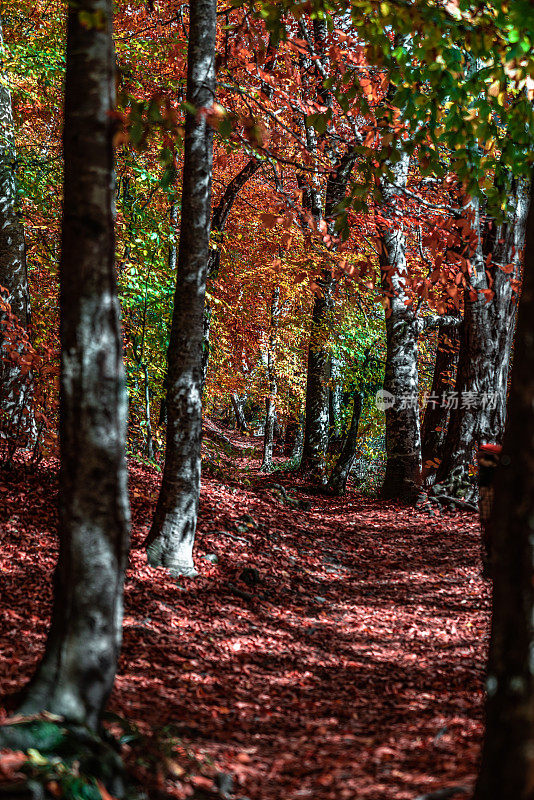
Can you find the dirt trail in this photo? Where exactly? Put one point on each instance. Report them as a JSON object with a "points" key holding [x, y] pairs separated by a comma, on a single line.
{"points": [[345, 662]]}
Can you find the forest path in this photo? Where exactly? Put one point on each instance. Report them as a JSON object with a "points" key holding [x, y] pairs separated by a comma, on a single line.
{"points": [[353, 669]]}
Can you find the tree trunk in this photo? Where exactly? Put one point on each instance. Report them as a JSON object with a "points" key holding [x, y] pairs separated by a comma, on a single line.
{"points": [[173, 250], [237, 405], [335, 403], [477, 354], [15, 382], [434, 428], [319, 352], [268, 435], [506, 271], [507, 768], [270, 401], [337, 483], [149, 441], [171, 261], [294, 435], [171, 538], [317, 415], [77, 672], [401, 381], [317, 378], [485, 348]]}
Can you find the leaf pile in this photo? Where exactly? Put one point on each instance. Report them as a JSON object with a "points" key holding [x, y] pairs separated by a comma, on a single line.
{"points": [[331, 651]]}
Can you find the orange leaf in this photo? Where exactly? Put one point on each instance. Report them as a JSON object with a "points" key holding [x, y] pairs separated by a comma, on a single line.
{"points": [[104, 792], [269, 220]]}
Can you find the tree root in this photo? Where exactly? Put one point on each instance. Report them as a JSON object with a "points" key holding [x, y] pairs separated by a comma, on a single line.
{"points": [[445, 498]]}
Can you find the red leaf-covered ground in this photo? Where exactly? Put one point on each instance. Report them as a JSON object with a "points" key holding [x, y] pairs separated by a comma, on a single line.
{"points": [[353, 669]]}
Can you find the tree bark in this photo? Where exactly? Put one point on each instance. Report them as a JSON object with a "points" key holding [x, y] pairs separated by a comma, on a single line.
{"points": [[478, 352], [171, 538], [506, 271], [294, 435], [173, 250], [237, 405], [270, 401], [434, 428], [337, 483], [171, 261], [77, 672], [319, 352], [316, 426], [317, 378], [15, 381], [335, 405], [149, 441], [485, 346], [401, 381], [507, 768]]}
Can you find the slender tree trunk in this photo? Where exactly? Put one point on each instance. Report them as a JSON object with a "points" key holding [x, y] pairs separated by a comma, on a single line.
{"points": [[149, 441], [15, 382], [337, 483], [270, 401], [268, 435], [171, 261], [77, 672], [171, 538], [13, 277], [334, 405], [318, 376], [434, 428], [173, 250], [507, 768], [403, 435]]}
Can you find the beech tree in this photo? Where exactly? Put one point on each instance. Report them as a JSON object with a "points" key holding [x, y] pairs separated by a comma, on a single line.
{"points": [[403, 436], [270, 400], [14, 293], [77, 671], [434, 428], [486, 336], [170, 540], [402, 480], [317, 407], [321, 205], [337, 482], [507, 768]]}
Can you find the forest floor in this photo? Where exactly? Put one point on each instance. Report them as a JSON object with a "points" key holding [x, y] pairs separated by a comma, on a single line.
{"points": [[352, 669]]}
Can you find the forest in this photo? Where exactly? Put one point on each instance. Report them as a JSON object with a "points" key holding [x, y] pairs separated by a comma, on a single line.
{"points": [[266, 399]]}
